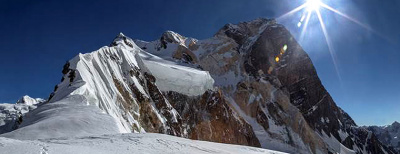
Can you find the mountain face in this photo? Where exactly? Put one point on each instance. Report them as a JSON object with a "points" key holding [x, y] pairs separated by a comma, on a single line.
{"points": [[388, 135], [250, 84], [270, 82]]}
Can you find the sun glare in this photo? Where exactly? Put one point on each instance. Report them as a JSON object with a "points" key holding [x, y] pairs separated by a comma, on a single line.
{"points": [[313, 5]]}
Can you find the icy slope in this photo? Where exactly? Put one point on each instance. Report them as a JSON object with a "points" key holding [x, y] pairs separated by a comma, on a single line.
{"points": [[124, 144]]}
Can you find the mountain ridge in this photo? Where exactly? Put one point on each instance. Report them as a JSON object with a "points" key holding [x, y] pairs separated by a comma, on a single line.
{"points": [[388, 134], [250, 84]]}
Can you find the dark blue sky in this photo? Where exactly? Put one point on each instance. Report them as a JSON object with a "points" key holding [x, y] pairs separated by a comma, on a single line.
{"points": [[38, 37]]}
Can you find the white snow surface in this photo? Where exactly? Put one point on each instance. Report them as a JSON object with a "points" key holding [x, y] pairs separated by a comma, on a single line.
{"points": [[124, 144], [65, 118]]}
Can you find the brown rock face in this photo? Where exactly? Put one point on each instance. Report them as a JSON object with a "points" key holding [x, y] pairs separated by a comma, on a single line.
{"points": [[210, 118]]}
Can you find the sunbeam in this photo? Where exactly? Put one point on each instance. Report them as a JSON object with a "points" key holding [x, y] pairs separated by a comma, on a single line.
{"points": [[347, 17], [303, 31], [291, 12], [328, 42], [355, 21]]}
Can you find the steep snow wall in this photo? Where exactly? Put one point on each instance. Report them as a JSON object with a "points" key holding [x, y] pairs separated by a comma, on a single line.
{"points": [[111, 91]]}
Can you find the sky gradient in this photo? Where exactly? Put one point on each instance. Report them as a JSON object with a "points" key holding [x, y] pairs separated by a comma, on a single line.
{"points": [[38, 37]]}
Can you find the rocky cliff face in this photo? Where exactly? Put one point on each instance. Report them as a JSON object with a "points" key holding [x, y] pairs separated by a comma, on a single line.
{"points": [[250, 84]]}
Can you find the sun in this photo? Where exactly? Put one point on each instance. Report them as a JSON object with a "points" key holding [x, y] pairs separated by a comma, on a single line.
{"points": [[313, 5]]}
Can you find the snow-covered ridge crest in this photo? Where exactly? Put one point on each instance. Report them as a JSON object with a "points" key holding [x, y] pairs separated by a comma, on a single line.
{"points": [[170, 75], [122, 80]]}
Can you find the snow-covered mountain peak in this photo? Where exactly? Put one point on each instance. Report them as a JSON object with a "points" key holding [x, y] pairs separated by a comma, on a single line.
{"points": [[29, 100], [176, 40], [121, 34], [245, 29], [172, 37], [118, 89], [123, 40]]}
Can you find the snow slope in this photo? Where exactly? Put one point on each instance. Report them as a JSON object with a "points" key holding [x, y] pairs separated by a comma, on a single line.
{"points": [[124, 143], [68, 117]]}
